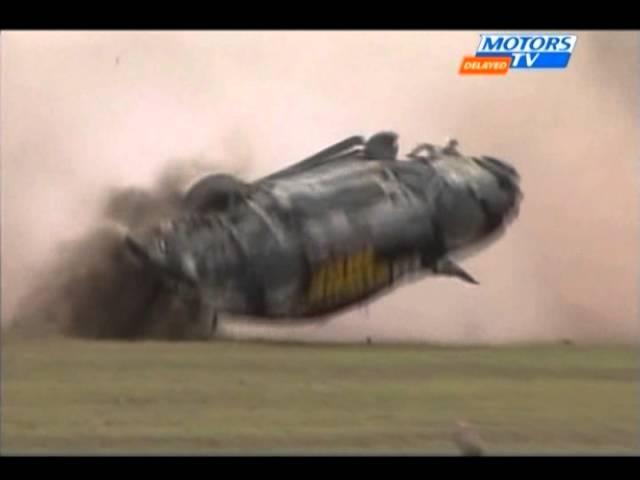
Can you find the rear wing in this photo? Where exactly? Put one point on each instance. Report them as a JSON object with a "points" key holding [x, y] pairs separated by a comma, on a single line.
{"points": [[347, 147]]}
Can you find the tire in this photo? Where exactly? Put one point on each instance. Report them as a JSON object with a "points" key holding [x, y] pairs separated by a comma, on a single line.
{"points": [[214, 193]]}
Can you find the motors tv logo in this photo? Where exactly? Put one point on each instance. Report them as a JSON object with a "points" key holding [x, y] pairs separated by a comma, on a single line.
{"points": [[498, 53]]}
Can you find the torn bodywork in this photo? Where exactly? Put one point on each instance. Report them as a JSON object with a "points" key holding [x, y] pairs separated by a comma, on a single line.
{"points": [[331, 232]]}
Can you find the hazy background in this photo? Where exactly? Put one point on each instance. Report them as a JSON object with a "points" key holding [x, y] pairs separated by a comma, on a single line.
{"points": [[85, 111]]}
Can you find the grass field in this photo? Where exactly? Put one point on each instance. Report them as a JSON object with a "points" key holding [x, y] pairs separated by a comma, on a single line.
{"points": [[72, 396]]}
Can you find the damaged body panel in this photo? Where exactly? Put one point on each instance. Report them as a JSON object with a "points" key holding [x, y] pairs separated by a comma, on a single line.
{"points": [[331, 232]]}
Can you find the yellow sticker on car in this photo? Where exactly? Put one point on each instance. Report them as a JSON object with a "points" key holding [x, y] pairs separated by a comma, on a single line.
{"points": [[345, 278]]}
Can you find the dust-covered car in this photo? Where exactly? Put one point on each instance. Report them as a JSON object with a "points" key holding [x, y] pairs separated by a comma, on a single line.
{"points": [[329, 233]]}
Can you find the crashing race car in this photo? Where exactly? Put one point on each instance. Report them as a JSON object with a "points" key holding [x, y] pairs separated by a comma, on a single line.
{"points": [[329, 233]]}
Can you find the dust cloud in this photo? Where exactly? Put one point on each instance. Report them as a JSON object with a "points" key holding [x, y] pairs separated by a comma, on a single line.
{"points": [[92, 120]]}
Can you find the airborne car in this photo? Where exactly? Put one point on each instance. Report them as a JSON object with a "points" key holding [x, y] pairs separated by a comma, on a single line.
{"points": [[330, 232]]}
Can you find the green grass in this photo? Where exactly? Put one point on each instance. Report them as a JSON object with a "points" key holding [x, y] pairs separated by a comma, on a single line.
{"points": [[72, 396]]}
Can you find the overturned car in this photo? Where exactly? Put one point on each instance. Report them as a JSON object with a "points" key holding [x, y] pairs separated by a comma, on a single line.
{"points": [[328, 233]]}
